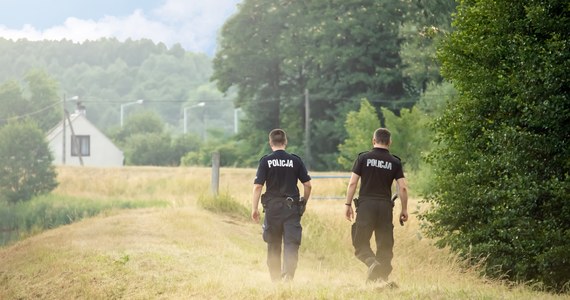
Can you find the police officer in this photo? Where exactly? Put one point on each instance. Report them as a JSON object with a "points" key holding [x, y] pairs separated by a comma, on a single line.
{"points": [[282, 204], [378, 169]]}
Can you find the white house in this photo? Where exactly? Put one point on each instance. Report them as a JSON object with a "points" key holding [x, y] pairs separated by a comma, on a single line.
{"points": [[84, 144]]}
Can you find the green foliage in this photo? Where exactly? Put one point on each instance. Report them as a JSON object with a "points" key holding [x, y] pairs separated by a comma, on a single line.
{"points": [[144, 122], [360, 127], [150, 149], [50, 211], [502, 173], [25, 161], [104, 73], [420, 133], [426, 22], [146, 141], [44, 99], [225, 146], [184, 144], [12, 102], [434, 100], [340, 51], [411, 136]]}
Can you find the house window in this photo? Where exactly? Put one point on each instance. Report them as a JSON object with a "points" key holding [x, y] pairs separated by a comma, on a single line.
{"points": [[80, 144]]}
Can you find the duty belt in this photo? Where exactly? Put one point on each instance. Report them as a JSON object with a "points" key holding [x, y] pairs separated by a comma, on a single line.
{"points": [[289, 201]]}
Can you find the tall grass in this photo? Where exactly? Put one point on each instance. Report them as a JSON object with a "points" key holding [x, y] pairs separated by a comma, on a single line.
{"points": [[224, 204], [49, 211]]}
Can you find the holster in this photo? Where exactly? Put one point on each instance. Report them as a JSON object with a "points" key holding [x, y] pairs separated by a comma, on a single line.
{"points": [[356, 202], [302, 206], [264, 200]]}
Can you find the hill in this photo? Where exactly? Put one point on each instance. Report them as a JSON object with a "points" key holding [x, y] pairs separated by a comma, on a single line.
{"points": [[184, 251]]}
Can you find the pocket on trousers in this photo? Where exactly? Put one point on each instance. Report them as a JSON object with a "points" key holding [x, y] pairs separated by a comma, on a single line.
{"points": [[361, 232], [267, 237], [293, 234]]}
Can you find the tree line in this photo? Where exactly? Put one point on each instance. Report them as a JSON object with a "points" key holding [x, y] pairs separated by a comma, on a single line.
{"points": [[338, 51], [106, 73]]}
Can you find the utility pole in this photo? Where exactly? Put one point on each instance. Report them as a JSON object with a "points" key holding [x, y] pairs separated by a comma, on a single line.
{"points": [[307, 130]]}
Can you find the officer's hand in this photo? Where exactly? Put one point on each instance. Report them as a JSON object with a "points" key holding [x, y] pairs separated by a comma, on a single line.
{"points": [[348, 213], [255, 215], [404, 216]]}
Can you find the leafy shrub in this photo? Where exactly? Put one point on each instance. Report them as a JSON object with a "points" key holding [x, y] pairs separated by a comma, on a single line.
{"points": [[502, 174], [25, 161]]}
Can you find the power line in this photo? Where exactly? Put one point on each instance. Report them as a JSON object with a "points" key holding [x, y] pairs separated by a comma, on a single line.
{"points": [[393, 102], [32, 113]]}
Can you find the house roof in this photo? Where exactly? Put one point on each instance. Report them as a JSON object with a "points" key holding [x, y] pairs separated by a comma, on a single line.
{"points": [[52, 133]]}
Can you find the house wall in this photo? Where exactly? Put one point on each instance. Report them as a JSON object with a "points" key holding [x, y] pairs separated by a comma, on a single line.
{"points": [[103, 152]]}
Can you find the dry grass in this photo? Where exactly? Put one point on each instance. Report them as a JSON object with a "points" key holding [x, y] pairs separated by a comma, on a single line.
{"points": [[183, 252]]}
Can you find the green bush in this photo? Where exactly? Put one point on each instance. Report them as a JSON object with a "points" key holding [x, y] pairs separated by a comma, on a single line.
{"points": [[25, 161], [150, 149], [502, 174]]}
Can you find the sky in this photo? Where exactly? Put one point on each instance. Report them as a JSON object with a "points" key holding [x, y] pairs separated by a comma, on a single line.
{"points": [[194, 24]]}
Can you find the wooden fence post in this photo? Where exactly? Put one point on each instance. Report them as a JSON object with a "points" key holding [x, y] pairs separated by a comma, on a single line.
{"points": [[215, 173]]}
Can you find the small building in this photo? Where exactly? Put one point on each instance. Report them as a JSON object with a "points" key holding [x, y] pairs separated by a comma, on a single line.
{"points": [[84, 144]]}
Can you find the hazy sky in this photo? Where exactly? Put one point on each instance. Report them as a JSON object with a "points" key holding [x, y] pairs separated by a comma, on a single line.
{"points": [[192, 23]]}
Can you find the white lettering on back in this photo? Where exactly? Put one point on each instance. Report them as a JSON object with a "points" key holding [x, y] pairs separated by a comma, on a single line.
{"points": [[286, 163], [378, 164]]}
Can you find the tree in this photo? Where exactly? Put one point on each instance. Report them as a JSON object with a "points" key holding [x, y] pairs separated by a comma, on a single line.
{"points": [[138, 123], [13, 104], [44, 99], [502, 170], [102, 73], [150, 149], [25, 161], [250, 58], [426, 23], [340, 51], [360, 127]]}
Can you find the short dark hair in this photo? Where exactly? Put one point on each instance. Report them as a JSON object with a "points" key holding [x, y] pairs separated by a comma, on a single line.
{"points": [[382, 136], [278, 137]]}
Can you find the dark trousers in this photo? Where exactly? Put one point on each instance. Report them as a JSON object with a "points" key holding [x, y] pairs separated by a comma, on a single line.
{"points": [[282, 226], [374, 216]]}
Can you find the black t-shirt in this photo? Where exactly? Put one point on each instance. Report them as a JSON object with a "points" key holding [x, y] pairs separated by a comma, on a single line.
{"points": [[377, 169], [281, 170]]}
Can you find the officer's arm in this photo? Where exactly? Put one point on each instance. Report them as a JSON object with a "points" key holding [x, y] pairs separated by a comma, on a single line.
{"points": [[351, 190], [255, 201], [307, 190], [403, 193]]}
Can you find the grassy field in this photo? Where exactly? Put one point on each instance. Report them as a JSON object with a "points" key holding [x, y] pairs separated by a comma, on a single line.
{"points": [[184, 251]]}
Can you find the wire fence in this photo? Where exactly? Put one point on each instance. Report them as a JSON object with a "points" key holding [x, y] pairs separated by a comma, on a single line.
{"points": [[339, 186]]}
